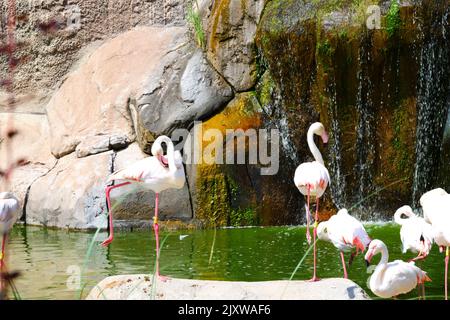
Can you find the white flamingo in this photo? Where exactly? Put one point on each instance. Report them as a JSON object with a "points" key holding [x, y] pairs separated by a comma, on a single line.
{"points": [[391, 279], [345, 233], [436, 210], [9, 213], [312, 179], [157, 173], [415, 234]]}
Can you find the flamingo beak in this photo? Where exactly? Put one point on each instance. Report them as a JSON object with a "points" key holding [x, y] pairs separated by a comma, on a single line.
{"points": [[367, 263], [324, 137]]}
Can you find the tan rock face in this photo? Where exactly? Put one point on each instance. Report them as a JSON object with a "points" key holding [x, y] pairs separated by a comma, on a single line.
{"points": [[94, 99], [231, 28], [51, 52], [71, 195]]}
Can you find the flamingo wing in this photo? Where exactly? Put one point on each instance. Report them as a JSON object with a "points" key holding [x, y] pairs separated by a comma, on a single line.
{"points": [[146, 169]]}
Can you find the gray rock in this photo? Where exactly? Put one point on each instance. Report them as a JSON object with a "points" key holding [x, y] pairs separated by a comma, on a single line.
{"points": [[139, 287], [184, 88]]}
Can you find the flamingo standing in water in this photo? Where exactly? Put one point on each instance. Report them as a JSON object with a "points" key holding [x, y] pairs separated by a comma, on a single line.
{"points": [[345, 233], [391, 279], [157, 173], [415, 234], [436, 210], [9, 213], [312, 179]]}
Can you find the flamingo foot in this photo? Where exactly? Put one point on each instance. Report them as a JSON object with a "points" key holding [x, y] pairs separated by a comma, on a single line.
{"points": [[107, 242], [314, 279], [163, 278]]}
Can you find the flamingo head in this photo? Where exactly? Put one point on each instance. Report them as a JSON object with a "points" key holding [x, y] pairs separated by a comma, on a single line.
{"points": [[375, 247], [322, 231], [319, 130]]}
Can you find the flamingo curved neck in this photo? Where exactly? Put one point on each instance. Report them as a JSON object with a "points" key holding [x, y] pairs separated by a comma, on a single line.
{"points": [[384, 256], [313, 148]]}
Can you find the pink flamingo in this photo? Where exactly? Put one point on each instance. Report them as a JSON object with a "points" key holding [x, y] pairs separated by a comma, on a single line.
{"points": [[312, 179], [345, 233], [157, 173], [436, 210], [9, 213]]}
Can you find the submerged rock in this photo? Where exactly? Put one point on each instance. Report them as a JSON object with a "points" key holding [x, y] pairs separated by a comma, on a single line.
{"points": [[140, 287]]}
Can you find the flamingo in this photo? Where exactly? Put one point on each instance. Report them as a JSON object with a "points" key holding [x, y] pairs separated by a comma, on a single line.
{"points": [[157, 173], [415, 234], [312, 179], [9, 213], [345, 233], [391, 279], [436, 210]]}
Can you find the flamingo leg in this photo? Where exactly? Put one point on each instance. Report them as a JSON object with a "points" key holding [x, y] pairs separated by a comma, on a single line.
{"points": [[316, 218], [343, 264], [108, 203], [446, 271], [156, 229], [2, 264], [308, 234]]}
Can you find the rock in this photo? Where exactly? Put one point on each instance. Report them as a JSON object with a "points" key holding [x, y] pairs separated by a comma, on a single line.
{"points": [[93, 101], [31, 142], [72, 194], [99, 144], [230, 31], [184, 88], [139, 287]]}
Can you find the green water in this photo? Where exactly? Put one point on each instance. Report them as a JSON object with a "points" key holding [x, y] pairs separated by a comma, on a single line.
{"points": [[250, 254]]}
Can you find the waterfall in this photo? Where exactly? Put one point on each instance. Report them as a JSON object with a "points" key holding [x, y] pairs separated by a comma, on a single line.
{"points": [[338, 186], [365, 135], [433, 89]]}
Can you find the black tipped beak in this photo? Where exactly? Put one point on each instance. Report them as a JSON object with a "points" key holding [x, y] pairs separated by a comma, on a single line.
{"points": [[367, 263], [422, 239]]}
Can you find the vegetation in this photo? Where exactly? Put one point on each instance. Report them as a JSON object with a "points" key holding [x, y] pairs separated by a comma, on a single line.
{"points": [[193, 17], [393, 20]]}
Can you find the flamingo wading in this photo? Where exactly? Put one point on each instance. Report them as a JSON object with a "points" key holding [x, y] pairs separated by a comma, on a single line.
{"points": [[157, 173], [345, 233], [436, 210], [415, 234], [391, 279], [9, 213], [312, 179]]}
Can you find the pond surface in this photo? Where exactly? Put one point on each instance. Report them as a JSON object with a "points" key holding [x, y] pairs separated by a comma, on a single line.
{"points": [[46, 257]]}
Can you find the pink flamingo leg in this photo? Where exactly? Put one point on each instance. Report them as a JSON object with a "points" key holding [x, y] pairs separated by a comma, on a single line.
{"points": [[308, 234], [108, 201], [314, 278], [156, 229], [343, 264], [446, 271], [2, 264]]}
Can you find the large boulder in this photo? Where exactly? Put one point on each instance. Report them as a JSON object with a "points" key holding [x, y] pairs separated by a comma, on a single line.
{"points": [[184, 88], [91, 106], [140, 287]]}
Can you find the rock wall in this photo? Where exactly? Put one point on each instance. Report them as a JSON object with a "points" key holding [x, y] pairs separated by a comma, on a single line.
{"points": [[90, 100]]}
